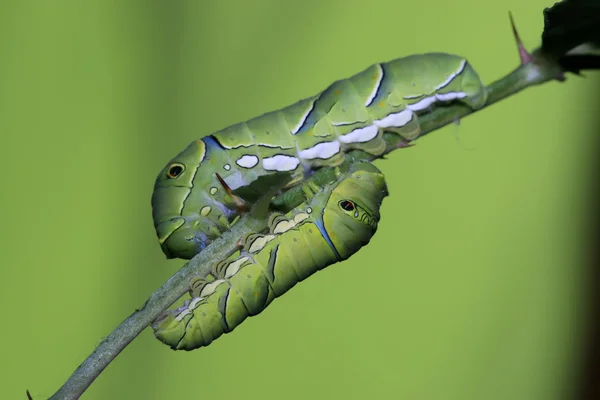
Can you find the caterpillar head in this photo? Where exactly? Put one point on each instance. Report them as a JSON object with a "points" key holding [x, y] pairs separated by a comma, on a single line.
{"points": [[471, 85], [352, 213], [173, 186]]}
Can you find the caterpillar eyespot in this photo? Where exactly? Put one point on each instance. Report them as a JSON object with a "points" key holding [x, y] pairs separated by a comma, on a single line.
{"points": [[241, 286], [347, 205], [175, 170], [315, 132]]}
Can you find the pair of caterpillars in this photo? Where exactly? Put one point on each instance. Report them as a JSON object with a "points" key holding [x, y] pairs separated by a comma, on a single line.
{"points": [[191, 207]]}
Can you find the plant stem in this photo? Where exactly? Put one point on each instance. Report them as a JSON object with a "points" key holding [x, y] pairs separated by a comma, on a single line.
{"points": [[527, 75]]}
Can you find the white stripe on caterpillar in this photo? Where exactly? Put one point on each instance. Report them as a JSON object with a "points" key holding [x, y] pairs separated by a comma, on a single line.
{"points": [[280, 163], [360, 135], [247, 161], [396, 120], [322, 150]]}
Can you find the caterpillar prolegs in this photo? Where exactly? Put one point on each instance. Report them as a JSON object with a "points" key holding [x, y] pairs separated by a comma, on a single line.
{"points": [[190, 207], [330, 227]]}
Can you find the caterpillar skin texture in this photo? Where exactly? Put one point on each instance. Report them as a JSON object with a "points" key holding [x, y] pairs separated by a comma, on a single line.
{"points": [[330, 227], [190, 207]]}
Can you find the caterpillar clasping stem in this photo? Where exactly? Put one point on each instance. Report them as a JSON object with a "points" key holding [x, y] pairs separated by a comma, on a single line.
{"points": [[405, 144]]}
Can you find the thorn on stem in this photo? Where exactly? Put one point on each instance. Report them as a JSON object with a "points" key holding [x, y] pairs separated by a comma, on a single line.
{"points": [[524, 55], [240, 205]]}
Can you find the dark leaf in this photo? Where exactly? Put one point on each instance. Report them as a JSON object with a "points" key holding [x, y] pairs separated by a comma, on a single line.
{"points": [[570, 24]]}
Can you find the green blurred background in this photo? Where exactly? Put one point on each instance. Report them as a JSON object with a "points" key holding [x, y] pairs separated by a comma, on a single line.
{"points": [[473, 288]]}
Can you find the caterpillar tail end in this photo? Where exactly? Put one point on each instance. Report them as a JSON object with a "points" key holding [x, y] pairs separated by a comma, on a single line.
{"points": [[167, 330]]}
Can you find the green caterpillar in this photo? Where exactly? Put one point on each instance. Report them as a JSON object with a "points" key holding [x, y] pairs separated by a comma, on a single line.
{"points": [[332, 225], [190, 207]]}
